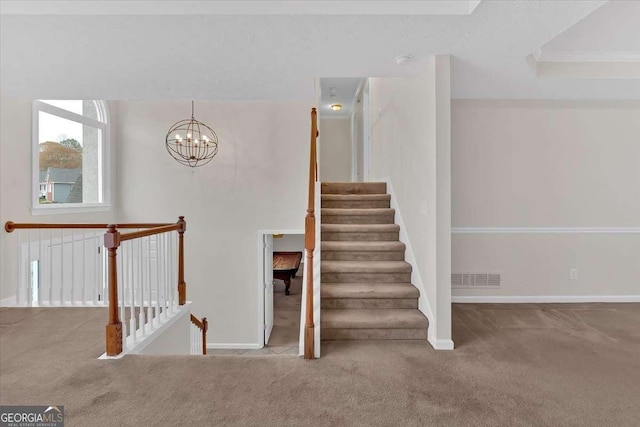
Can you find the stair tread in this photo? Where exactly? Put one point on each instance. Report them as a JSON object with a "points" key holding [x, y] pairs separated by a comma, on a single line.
{"points": [[354, 197], [369, 290], [382, 318], [357, 211], [365, 267], [377, 246], [353, 188], [359, 228]]}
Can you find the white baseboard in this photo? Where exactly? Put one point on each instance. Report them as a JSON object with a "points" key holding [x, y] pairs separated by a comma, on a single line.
{"points": [[544, 299], [441, 344], [232, 346], [8, 302], [11, 302]]}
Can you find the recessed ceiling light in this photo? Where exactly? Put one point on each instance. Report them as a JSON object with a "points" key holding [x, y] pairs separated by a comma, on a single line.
{"points": [[336, 107], [403, 59]]}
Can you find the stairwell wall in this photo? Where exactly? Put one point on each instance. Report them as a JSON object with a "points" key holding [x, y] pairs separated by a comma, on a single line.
{"points": [[257, 181], [410, 147]]}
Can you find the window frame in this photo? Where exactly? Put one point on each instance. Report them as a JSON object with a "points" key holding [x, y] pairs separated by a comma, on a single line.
{"points": [[104, 164]]}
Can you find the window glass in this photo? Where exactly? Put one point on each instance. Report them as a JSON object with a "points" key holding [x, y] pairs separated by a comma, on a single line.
{"points": [[70, 153]]}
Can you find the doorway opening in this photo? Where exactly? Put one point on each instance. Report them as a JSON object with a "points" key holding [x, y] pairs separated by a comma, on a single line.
{"points": [[345, 143], [282, 270]]}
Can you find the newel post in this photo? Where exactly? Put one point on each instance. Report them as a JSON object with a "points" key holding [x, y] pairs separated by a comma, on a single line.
{"points": [[114, 327], [182, 286]]}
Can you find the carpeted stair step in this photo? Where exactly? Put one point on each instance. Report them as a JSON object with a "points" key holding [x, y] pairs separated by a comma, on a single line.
{"points": [[353, 188], [360, 232], [355, 201], [369, 295], [365, 271], [357, 216], [356, 324], [363, 251]]}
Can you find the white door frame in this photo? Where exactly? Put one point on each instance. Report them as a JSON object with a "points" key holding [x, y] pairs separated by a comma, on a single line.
{"points": [[366, 133], [259, 281], [354, 147], [363, 95]]}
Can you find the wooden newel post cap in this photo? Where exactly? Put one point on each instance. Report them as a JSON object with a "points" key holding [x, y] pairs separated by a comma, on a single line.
{"points": [[8, 226], [183, 224], [111, 237]]}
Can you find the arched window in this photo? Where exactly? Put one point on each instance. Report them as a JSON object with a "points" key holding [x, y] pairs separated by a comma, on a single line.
{"points": [[70, 140]]}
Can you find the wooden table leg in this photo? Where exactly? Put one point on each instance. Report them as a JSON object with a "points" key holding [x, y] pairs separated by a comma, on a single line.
{"points": [[287, 283]]}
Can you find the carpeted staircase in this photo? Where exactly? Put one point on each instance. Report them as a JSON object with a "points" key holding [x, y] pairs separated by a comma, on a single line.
{"points": [[366, 284]]}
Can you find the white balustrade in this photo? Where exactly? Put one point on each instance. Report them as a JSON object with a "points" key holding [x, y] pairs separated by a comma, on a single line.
{"points": [[58, 267], [147, 285]]}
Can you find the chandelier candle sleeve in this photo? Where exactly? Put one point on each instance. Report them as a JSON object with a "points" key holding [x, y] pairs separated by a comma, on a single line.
{"points": [[191, 142]]}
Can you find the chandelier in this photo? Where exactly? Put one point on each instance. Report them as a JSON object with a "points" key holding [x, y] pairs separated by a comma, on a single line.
{"points": [[191, 143]]}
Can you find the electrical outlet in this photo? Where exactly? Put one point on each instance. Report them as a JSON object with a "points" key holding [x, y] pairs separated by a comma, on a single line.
{"points": [[573, 273]]}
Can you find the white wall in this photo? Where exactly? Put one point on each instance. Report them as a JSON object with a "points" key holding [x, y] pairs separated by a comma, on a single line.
{"points": [[257, 181], [289, 243], [335, 150], [15, 184], [173, 339], [410, 147], [571, 165]]}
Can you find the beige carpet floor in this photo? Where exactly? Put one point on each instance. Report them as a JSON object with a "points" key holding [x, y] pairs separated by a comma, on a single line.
{"points": [[530, 365]]}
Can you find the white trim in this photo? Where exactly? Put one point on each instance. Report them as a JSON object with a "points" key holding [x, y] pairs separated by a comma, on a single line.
{"points": [[248, 7], [550, 56], [441, 344], [416, 279], [70, 208], [9, 302], [232, 346], [260, 265], [498, 299], [354, 147], [141, 343], [366, 132], [545, 230], [104, 159]]}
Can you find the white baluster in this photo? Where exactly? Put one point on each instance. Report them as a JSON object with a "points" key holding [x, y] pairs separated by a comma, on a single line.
{"points": [[29, 271], [96, 251], [157, 283], [84, 269], [50, 266], [73, 270], [62, 266], [122, 297], [167, 263], [163, 286], [130, 283], [40, 265], [19, 289], [141, 315]]}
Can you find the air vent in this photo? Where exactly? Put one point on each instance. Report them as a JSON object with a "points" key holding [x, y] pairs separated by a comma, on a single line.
{"points": [[475, 280]]}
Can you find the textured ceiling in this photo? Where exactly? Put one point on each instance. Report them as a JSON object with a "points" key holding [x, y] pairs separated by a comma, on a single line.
{"points": [[280, 57], [615, 27], [344, 91]]}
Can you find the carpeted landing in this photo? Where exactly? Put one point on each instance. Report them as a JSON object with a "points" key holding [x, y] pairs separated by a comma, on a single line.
{"points": [[535, 365]]}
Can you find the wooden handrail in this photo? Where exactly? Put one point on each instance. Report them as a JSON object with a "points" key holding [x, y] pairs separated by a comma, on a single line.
{"points": [[203, 325], [10, 226], [310, 240], [149, 232], [112, 240]]}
